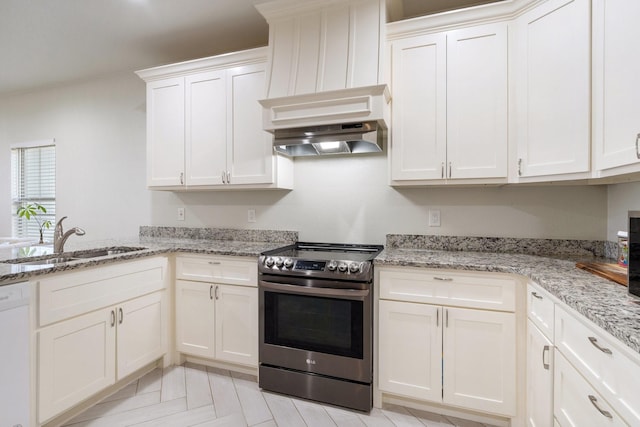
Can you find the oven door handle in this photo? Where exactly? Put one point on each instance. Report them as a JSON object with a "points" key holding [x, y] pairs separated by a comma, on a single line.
{"points": [[353, 294]]}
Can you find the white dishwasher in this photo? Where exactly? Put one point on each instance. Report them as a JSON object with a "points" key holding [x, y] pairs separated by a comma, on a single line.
{"points": [[14, 355]]}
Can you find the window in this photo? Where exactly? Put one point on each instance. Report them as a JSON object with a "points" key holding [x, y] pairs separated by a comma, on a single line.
{"points": [[33, 180]]}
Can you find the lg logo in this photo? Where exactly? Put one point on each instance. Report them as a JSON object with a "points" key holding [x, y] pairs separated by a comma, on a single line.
{"points": [[311, 362]]}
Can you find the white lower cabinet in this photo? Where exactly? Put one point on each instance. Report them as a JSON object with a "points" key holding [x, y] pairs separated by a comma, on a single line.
{"points": [[479, 360], [76, 360], [410, 336], [540, 353], [217, 320], [82, 355], [539, 378], [576, 402], [463, 357], [611, 369]]}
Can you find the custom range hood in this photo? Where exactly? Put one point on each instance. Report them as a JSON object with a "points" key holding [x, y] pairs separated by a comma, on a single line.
{"points": [[325, 91], [353, 138]]}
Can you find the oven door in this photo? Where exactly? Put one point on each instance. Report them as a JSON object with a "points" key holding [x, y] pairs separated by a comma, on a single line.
{"points": [[316, 330]]}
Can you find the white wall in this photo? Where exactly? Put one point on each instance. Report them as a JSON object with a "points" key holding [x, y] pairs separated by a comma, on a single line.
{"points": [[347, 199], [99, 127], [621, 199]]}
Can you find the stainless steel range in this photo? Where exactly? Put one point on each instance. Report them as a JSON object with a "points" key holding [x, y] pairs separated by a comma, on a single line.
{"points": [[316, 322]]}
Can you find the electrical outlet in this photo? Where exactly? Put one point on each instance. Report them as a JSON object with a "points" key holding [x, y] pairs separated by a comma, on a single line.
{"points": [[251, 215], [434, 218], [180, 214]]}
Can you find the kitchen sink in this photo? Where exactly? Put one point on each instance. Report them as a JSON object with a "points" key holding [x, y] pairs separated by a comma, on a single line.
{"points": [[61, 258]]}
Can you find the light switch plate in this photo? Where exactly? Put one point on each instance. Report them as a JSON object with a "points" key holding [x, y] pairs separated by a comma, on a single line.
{"points": [[180, 214], [251, 215]]}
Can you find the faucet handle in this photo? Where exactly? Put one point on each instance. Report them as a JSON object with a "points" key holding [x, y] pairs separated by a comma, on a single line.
{"points": [[60, 220]]}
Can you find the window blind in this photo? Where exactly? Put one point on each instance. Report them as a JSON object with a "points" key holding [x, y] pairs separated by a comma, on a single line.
{"points": [[33, 180]]}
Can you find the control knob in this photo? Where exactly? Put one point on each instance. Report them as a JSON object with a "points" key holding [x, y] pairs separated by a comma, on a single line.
{"points": [[354, 267], [342, 267], [288, 263], [279, 262], [269, 262], [332, 265]]}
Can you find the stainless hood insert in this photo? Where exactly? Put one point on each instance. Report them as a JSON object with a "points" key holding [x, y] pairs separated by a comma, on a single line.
{"points": [[352, 138]]}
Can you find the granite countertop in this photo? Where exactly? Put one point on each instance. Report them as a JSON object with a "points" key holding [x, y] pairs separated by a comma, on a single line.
{"points": [[549, 263], [605, 303], [151, 243]]}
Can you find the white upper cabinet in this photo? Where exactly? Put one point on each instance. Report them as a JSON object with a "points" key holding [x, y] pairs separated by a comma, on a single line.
{"points": [[206, 128], [249, 153], [616, 84], [553, 83], [204, 125], [418, 113], [450, 106], [165, 127], [477, 108]]}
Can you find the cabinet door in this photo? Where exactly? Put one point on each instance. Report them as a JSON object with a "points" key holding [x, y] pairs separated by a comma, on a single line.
{"points": [[206, 128], [540, 310], [576, 403], [195, 308], [418, 82], [76, 359], [250, 153], [410, 350], [479, 358], [477, 102], [236, 331], [553, 88], [165, 133], [616, 82], [539, 378], [141, 333]]}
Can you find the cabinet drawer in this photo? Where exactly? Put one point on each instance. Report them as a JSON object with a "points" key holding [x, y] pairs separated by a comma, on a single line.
{"points": [[445, 287], [70, 294], [229, 270], [540, 307], [577, 403], [602, 361]]}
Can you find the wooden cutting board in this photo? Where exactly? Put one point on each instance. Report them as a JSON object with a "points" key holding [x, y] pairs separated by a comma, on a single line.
{"points": [[609, 271]]}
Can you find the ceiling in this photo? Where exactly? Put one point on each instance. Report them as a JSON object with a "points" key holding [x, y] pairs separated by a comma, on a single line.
{"points": [[44, 43]]}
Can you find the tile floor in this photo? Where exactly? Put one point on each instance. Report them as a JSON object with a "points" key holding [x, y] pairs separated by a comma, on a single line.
{"points": [[194, 395]]}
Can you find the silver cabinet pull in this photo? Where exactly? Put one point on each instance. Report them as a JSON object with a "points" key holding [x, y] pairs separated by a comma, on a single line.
{"points": [[211, 292], [113, 318], [181, 178], [545, 349], [443, 279], [228, 177], [519, 167], [217, 293], [437, 317], [535, 295], [224, 177], [121, 315], [594, 402], [446, 318], [594, 341], [449, 169], [215, 262], [637, 140], [442, 170]]}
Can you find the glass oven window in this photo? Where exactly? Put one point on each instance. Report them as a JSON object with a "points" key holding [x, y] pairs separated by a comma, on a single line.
{"points": [[326, 325]]}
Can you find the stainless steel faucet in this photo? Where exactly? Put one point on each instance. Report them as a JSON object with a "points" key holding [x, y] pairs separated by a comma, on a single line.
{"points": [[59, 236]]}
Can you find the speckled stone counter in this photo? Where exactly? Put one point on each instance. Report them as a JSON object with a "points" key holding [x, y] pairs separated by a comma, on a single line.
{"points": [[604, 302], [151, 241]]}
